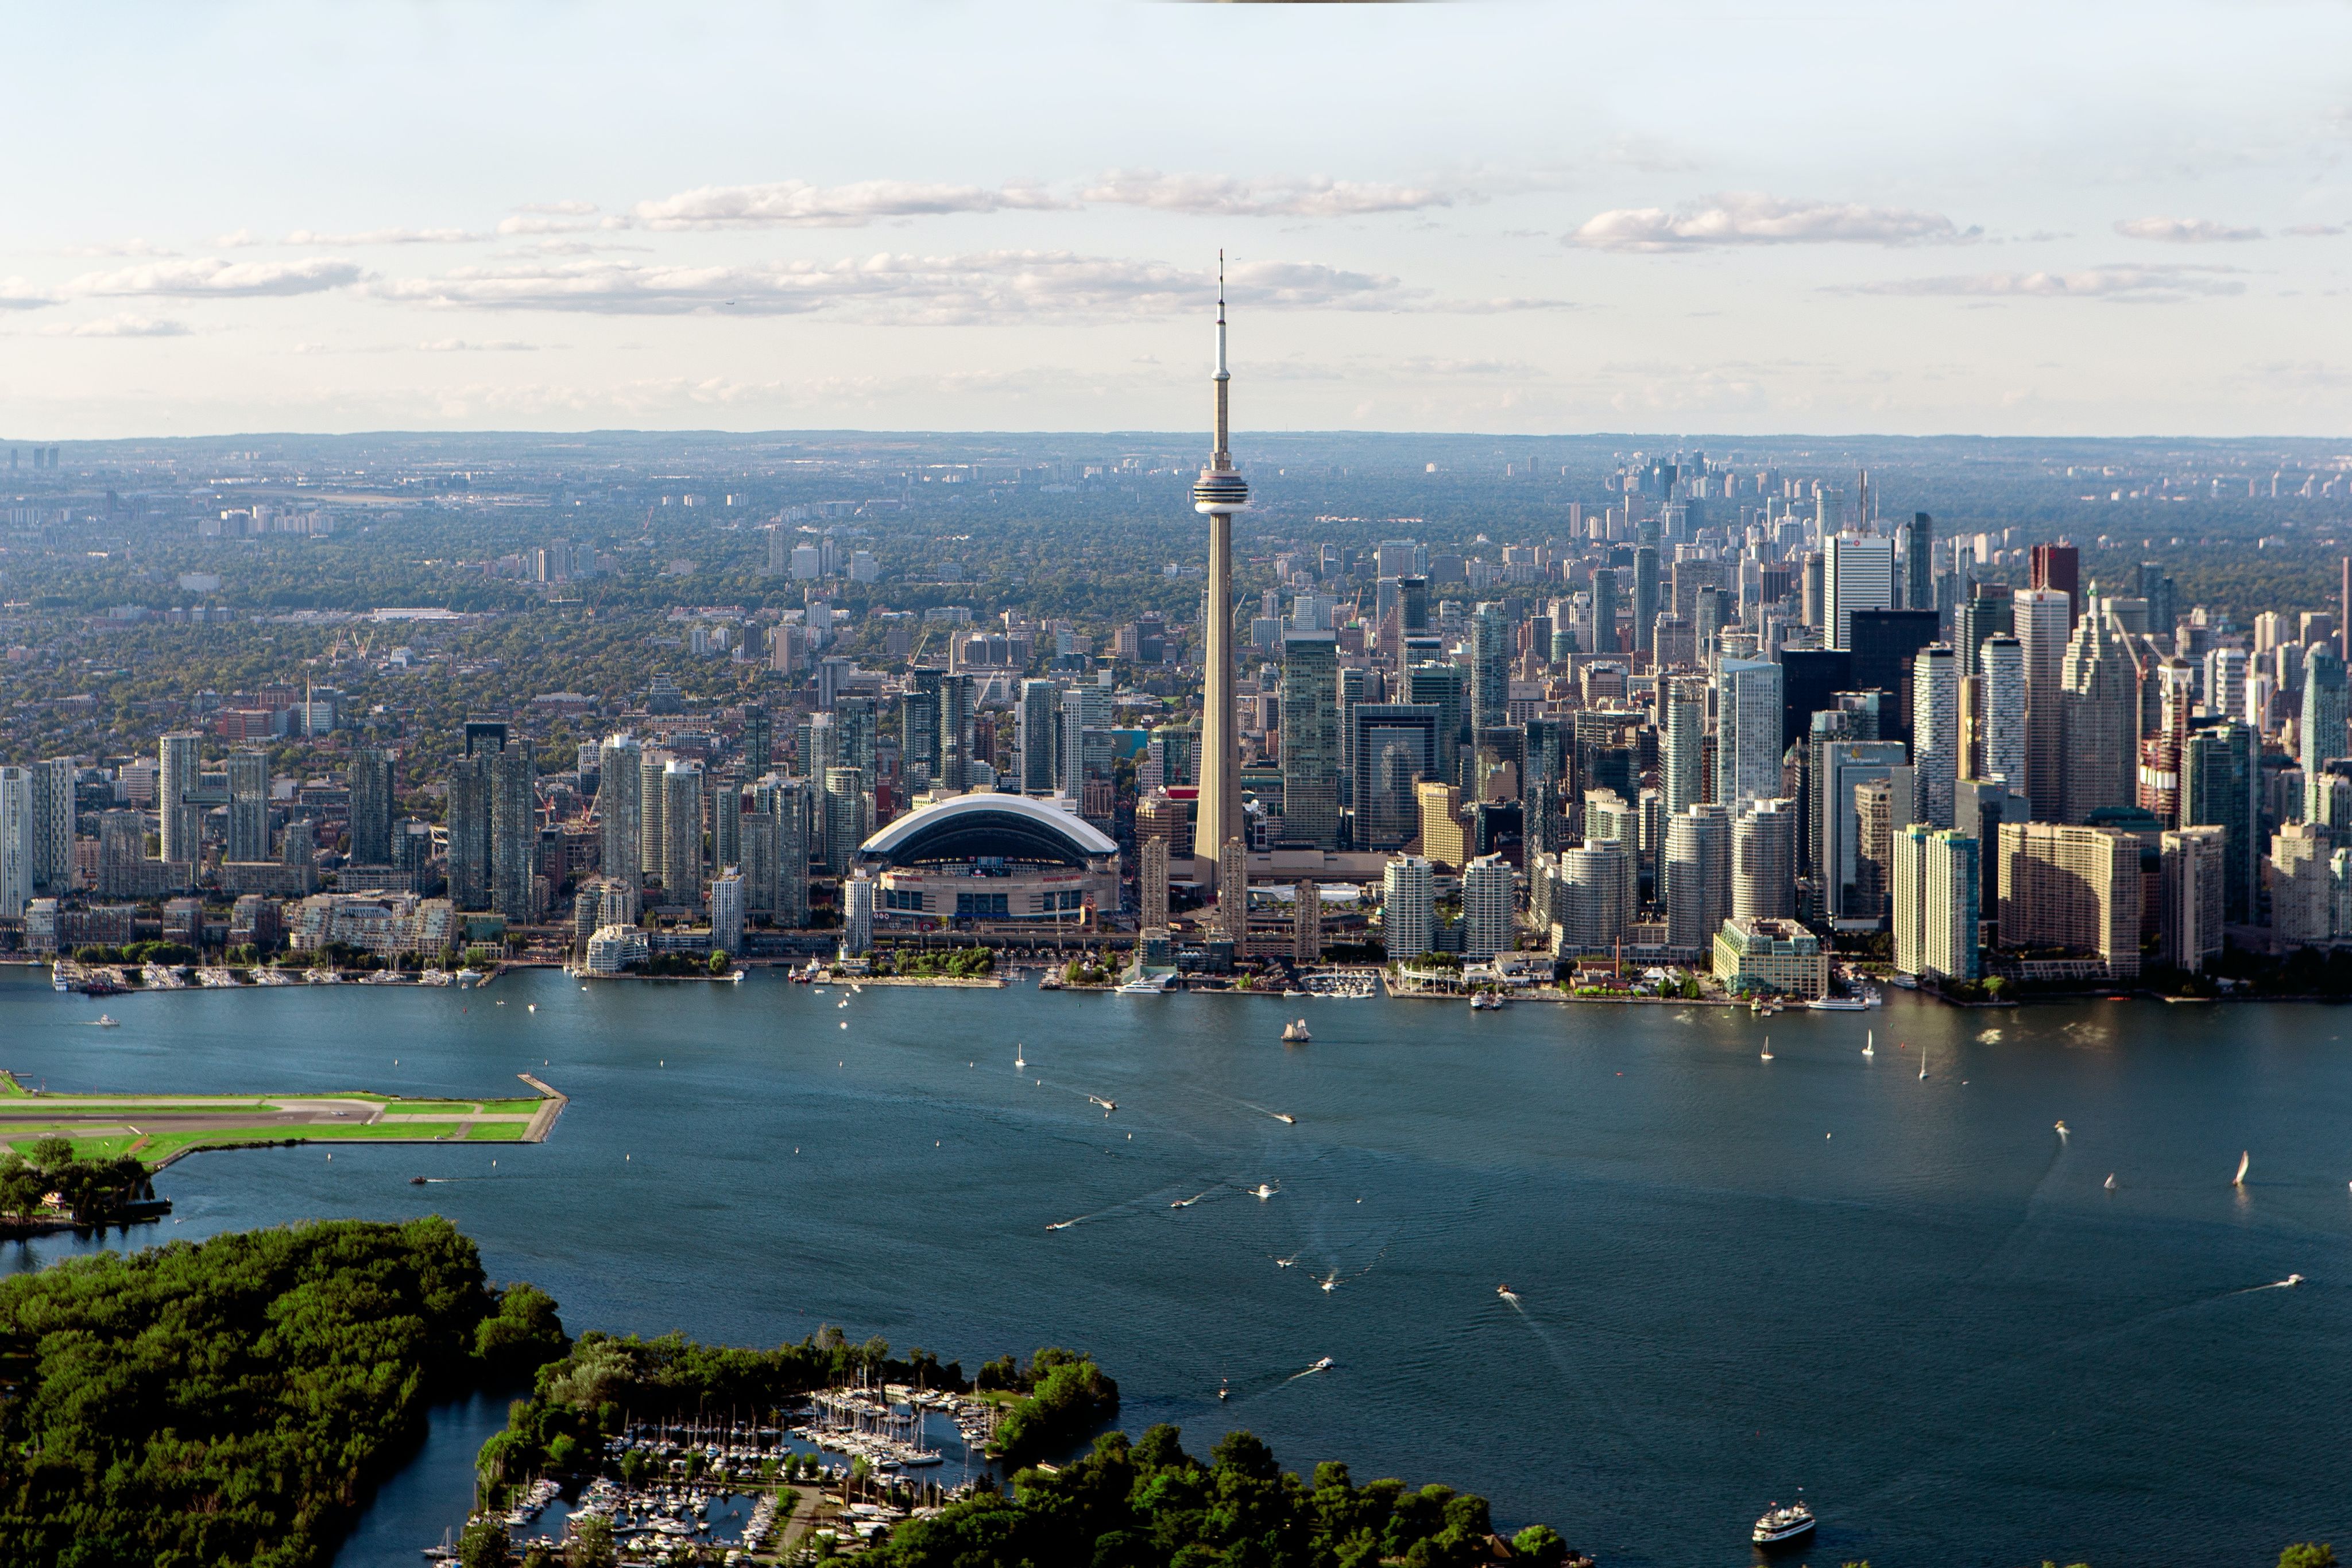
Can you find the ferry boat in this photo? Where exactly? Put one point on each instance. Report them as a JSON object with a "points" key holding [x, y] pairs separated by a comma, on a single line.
{"points": [[1485, 1002], [1296, 1033], [1149, 985], [1780, 1526], [1837, 1005]]}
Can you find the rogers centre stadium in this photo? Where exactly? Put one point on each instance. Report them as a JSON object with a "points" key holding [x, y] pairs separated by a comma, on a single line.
{"points": [[990, 857]]}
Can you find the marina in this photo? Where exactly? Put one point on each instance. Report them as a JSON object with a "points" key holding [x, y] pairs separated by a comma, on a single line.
{"points": [[1707, 1283]]}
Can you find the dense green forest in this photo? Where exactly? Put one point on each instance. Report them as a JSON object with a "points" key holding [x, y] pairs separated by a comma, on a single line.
{"points": [[234, 1402], [1149, 1504]]}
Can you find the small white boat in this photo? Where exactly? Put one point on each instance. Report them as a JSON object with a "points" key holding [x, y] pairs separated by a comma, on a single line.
{"points": [[1768, 1048], [2061, 1129], [1328, 1282], [1323, 1363], [2290, 1282], [1285, 1118], [1060, 1223], [1017, 1059], [1264, 1190], [105, 1020], [1224, 1392], [2245, 1158], [1108, 1105], [1870, 1044], [1508, 1294], [2111, 1181], [1485, 1002]]}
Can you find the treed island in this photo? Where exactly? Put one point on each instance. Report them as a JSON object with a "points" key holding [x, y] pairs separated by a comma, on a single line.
{"points": [[236, 1401]]}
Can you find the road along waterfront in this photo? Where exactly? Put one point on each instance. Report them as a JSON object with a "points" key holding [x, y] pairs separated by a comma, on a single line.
{"points": [[1734, 1277]]}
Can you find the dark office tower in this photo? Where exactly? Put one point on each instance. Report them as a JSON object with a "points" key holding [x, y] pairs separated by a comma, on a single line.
{"points": [[1812, 606], [759, 739], [2163, 599], [1441, 686], [1548, 744], [1918, 564], [918, 732], [1605, 613], [372, 806], [1883, 643], [723, 793], [1645, 599], [2059, 567], [1354, 686], [2222, 786], [248, 806], [955, 733], [1992, 613], [514, 830], [1395, 748], [484, 736], [1810, 678], [1413, 605], [469, 830], [1310, 741], [1490, 667]]}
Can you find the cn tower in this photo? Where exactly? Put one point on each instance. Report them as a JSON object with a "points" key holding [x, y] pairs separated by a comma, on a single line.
{"points": [[1220, 492]]}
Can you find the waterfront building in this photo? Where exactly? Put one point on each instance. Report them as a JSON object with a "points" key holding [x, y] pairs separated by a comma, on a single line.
{"points": [[514, 830], [2072, 887], [2319, 732], [1232, 894], [2302, 889], [2194, 878], [993, 857], [1310, 740], [1306, 923], [613, 949], [179, 755], [1935, 899], [1935, 734], [2000, 664], [1760, 954], [727, 912], [1151, 882], [857, 916], [53, 825], [1697, 872], [651, 763], [1217, 494], [2221, 786], [16, 841], [1764, 860], [2044, 619], [1594, 897], [1408, 908], [1489, 915], [681, 862], [372, 804], [248, 806]]}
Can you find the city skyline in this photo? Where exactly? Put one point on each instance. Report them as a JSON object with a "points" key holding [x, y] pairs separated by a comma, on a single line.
{"points": [[1431, 228]]}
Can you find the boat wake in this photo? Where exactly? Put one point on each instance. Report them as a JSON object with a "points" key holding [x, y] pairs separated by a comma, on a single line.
{"points": [[1322, 1363]]}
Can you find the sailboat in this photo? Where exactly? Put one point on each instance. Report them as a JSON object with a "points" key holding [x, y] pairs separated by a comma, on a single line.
{"points": [[2061, 1129], [1922, 1064], [2244, 1159], [1869, 1044], [2111, 1181], [1768, 1048], [1017, 1061]]}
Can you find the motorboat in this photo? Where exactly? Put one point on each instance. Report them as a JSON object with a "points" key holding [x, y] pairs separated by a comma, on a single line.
{"points": [[1508, 1294], [1264, 1190], [2061, 1129], [1296, 1033], [1781, 1525], [105, 1020], [1485, 1002], [1837, 1005], [1223, 1392], [1285, 1118], [1151, 986], [1323, 1363], [2291, 1281]]}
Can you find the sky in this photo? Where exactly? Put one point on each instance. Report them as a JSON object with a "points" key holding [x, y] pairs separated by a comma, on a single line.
{"points": [[1519, 217]]}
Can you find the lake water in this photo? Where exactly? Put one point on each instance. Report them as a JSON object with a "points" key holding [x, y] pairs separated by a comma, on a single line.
{"points": [[1736, 1277]]}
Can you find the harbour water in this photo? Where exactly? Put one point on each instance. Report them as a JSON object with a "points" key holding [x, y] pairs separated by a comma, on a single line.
{"points": [[1734, 1277]]}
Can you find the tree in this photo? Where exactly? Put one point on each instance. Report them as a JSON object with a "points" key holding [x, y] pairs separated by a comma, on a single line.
{"points": [[486, 1545], [720, 962], [52, 1153], [591, 1545], [1541, 1543], [2309, 1554]]}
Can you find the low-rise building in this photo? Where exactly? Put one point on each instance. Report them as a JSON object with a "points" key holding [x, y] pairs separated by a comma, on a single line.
{"points": [[1759, 952], [614, 949]]}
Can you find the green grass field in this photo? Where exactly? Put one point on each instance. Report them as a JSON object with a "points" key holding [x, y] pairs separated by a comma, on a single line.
{"points": [[23, 1124]]}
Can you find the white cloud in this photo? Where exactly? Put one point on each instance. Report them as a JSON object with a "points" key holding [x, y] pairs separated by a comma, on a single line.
{"points": [[386, 236], [1220, 195], [2122, 281], [2183, 231], [558, 223], [1751, 218], [560, 209], [485, 346], [128, 248], [21, 294], [972, 286], [798, 203], [123, 324], [2315, 231], [211, 277], [238, 239]]}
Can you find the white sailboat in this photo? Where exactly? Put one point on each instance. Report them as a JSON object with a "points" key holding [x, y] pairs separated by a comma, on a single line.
{"points": [[1869, 1044], [1017, 1061], [2244, 1159], [2111, 1181], [1768, 1048]]}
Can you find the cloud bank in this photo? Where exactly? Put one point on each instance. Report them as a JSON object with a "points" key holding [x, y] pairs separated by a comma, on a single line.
{"points": [[1754, 218]]}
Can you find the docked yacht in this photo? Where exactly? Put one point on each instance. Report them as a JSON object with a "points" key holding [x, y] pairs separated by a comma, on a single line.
{"points": [[1148, 985], [1485, 1002], [1780, 1526]]}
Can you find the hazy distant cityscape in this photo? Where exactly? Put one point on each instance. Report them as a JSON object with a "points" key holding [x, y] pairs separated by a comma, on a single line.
{"points": [[1614, 713]]}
